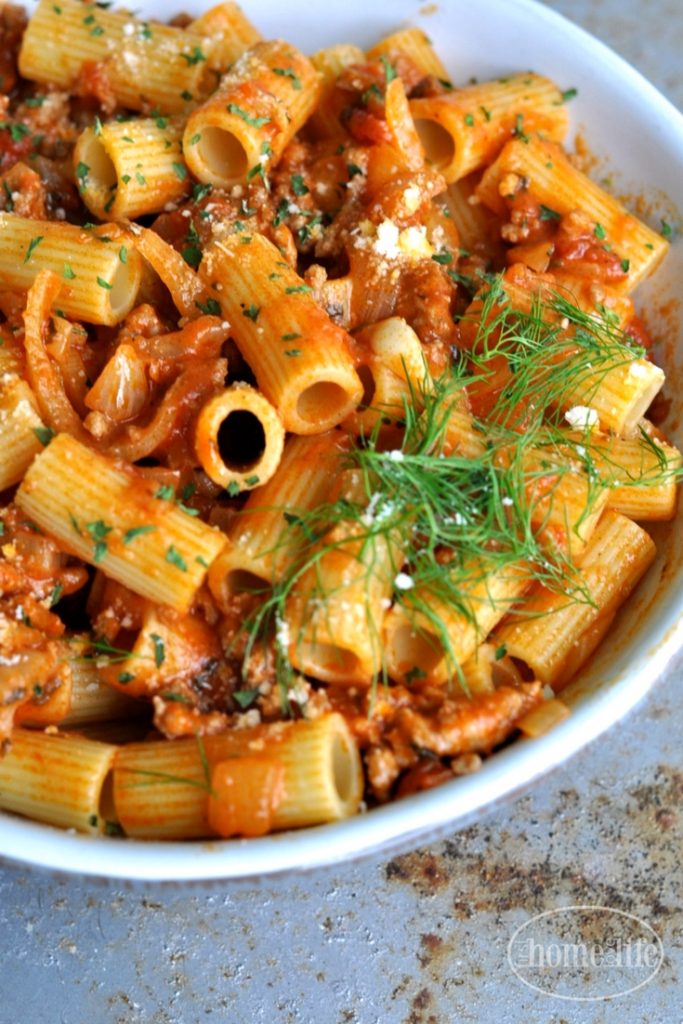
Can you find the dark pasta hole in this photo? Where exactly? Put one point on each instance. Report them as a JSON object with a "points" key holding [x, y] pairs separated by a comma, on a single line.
{"points": [[368, 382], [241, 440]]}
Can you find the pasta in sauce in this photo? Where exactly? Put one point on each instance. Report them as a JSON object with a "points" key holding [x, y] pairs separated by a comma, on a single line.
{"points": [[328, 429]]}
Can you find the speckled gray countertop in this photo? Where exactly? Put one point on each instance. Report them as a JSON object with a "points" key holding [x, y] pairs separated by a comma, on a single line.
{"points": [[420, 939]]}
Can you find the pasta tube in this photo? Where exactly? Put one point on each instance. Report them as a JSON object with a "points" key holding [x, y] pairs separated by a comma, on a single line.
{"points": [[412, 43], [167, 646], [161, 790], [543, 634], [394, 371], [463, 130], [334, 614], [330, 62], [100, 275], [91, 699], [640, 474], [147, 65], [299, 356], [256, 111], [130, 168], [239, 438], [57, 779], [554, 181], [262, 542], [118, 522], [230, 32], [437, 638], [22, 432]]}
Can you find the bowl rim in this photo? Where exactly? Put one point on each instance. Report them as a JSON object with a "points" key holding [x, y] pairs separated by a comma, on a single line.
{"points": [[415, 820]]}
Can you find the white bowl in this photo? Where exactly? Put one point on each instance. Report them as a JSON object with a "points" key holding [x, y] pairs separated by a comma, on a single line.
{"points": [[640, 137]]}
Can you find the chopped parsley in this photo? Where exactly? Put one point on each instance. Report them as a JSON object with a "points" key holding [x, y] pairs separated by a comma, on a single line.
{"points": [[374, 92], [200, 192], [99, 530], [415, 673], [82, 171], [281, 212], [32, 246], [299, 186], [195, 56], [191, 252], [252, 312], [175, 558], [245, 698], [255, 122], [209, 308], [518, 130], [137, 531], [44, 435], [389, 70], [159, 649], [289, 73]]}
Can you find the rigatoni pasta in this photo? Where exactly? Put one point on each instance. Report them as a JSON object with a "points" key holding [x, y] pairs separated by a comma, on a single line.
{"points": [[239, 438], [110, 518], [131, 168], [463, 129], [338, 459], [146, 65], [320, 767], [21, 429], [98, 283], [301, 359], [257, 109]]}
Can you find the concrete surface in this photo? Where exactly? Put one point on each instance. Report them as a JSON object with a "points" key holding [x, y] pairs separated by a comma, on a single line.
{"points": [[420, 939]]}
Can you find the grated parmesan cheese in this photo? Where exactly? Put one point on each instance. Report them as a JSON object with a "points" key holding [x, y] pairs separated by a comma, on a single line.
{"points": [[580, 416]]}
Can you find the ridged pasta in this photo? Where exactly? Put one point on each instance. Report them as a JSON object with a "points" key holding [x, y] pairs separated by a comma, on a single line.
{"points": [[100, 275], [111, 519], [161, 790], [299, 356], [130, 168], [257, 109]]}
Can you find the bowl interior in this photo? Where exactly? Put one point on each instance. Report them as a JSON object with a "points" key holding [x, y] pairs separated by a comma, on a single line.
{"points": [[637, 138]]}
